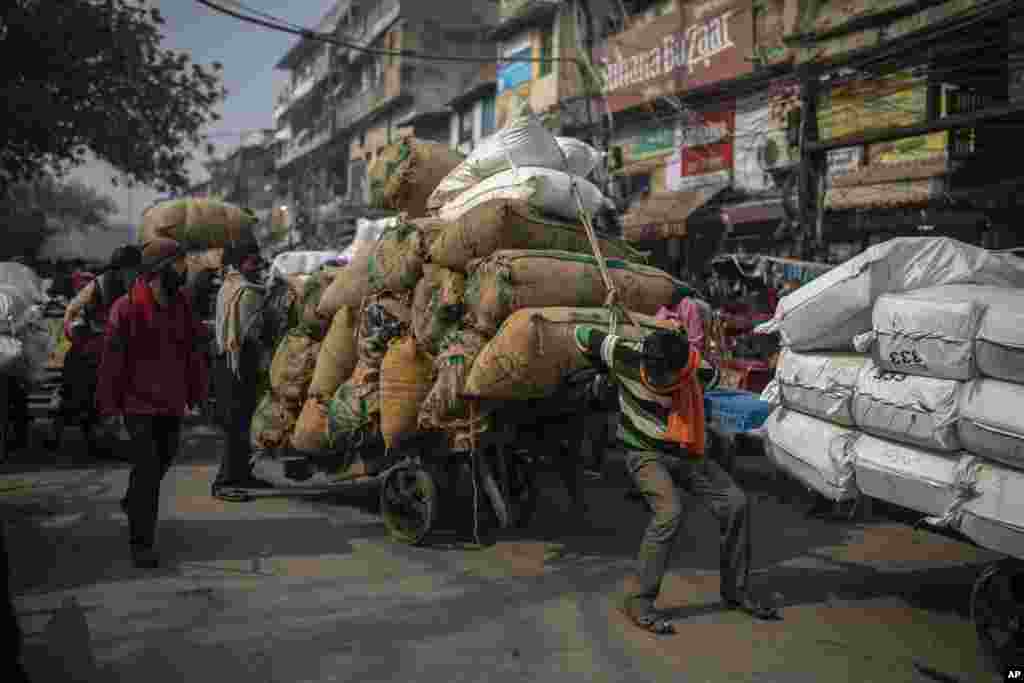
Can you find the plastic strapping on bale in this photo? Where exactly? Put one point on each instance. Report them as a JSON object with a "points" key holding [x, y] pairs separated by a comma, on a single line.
{"points": [[966, 487]]}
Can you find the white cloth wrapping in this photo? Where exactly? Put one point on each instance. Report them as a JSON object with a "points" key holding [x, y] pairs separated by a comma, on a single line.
{"points": [[991, 420], [301, 262], [920, 411], [910, 477], [815, 452], [817, 384], [828, 312], [990, 506]]}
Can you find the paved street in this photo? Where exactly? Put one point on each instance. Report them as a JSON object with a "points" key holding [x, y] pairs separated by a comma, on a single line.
{"points": [[297, 589]]}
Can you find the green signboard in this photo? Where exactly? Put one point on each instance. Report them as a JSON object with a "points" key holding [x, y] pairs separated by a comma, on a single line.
{"points": [[650, 143]]}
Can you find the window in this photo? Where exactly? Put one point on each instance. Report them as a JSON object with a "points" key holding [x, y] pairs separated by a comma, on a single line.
{"points": [[487, 116], [547, 44]]}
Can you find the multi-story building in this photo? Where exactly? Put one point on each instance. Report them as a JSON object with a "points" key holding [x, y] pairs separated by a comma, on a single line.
{"points": [[473, 111], [344, 104]]}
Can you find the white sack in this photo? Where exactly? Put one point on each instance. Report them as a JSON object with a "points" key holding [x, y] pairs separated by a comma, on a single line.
{"points": [[992, 514], [999, 346], [906, 476], [548, 191], [920, 411], [15, 309], [828, 312], [11, 354], [992, 421], [815, 452], [24, 279], [301, 262], [580, 158], [928, 332], [818, 384], [367, 234]]}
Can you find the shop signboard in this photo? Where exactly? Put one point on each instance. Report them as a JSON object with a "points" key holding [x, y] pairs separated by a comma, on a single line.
{"points": [[512, 74], [706, 151], [843, 161], [893, 101], [648, 144], [697, 44]]}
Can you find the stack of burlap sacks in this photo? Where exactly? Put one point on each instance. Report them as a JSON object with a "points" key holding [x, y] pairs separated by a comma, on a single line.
{"points": [[26, 342], [469, 295], [903, 379]]}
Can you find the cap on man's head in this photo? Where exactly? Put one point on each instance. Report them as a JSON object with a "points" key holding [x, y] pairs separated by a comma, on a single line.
{"points": [[160, 249], [128, 256]]}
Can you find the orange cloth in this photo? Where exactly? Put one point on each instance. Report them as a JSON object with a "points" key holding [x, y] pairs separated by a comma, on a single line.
{"points": [[686, 417]]}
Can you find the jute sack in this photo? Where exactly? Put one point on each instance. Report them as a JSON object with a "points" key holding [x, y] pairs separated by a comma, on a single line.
{"points": [[396, 262], [310, 434], [406, 376], [445, 406], [208, 223], [210, 259], [430, 230], [511, 224], [515, 279], [338, 355], [405, 174], [437, 306], [272, 423], [535, 351], [312, 291], [356, 403], [385, 317], [291, 370]]}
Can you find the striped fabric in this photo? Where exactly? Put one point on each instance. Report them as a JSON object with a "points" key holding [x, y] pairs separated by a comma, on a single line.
{"points": [[643, 422]]}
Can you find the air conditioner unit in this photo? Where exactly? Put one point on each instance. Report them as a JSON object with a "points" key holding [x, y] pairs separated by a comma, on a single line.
{"points": [[773, 153]]}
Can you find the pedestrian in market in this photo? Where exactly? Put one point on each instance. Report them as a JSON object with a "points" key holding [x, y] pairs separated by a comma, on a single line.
{"points": [[661, 429], [243, 348], [85, 322], [153, 370]]}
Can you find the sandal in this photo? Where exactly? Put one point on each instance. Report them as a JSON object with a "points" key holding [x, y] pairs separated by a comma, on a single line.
{"points": [[652, 623], [755, 609], [231, 495]]}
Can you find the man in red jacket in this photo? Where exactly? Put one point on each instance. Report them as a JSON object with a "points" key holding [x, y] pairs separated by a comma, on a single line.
{"points": [[153, 369]]}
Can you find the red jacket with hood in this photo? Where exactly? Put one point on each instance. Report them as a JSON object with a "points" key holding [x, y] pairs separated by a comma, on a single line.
{"points": [[154, 360]]}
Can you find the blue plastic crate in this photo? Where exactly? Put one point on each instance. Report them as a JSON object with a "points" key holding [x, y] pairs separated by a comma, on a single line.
{"points": [[734, 410]]}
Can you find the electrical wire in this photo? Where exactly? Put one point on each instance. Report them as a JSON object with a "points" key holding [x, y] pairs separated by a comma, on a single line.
{"points": [[309, 34]]}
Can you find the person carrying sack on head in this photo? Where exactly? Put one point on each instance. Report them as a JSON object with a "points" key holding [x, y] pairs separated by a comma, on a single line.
{"points": [[661, 429], [243, 357], [84, 324], [153, 370]]}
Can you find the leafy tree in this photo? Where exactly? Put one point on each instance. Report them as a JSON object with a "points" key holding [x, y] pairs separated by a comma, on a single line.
{"points": [[90, 75], [34, 210]]}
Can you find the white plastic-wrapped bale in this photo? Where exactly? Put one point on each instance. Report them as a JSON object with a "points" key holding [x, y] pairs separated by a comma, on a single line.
{"points": [[991, 420], [818, 384], [12, 353], [15, 309], [544, 189], [302, 262], [992, 514], [906, 476], [920, 411], [815, 452], [928, 332], [999, 346], [827, 313]]}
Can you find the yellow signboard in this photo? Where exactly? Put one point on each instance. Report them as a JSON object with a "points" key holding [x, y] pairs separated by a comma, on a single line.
{"points": [[889, 102]]}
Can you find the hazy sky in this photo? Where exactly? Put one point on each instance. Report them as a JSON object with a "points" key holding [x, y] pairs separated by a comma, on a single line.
{"points": [[248, 54]]}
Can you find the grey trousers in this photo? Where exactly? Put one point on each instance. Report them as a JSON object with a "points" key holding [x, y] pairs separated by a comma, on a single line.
{"points": [[658, 477]]}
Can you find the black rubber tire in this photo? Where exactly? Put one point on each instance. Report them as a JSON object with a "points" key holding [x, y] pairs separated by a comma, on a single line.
{"points": [[996, 610], [408, 504]]}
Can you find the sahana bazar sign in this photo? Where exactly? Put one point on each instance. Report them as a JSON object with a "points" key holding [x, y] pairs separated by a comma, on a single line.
{"points": [[693, 46]]}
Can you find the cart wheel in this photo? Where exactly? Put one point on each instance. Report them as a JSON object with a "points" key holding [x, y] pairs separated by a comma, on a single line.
{"points": [[998, 612], [408, 504]]}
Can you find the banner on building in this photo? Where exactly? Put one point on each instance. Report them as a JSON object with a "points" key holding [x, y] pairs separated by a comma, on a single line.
{"points": [[696, 45], [705, 159], [513, 74], [648, 145]]}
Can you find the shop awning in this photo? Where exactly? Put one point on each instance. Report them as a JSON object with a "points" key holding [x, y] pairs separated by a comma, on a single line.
{"points": [[663, 214], [833, 29], [754, 212]]}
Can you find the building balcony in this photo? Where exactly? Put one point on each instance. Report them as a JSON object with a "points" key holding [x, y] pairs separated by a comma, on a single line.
{"points": [[516, 15], [365, 29], [301, 145], [389, 93]]}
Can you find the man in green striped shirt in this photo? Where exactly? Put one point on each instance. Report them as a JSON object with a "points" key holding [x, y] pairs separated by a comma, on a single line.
{"points": [[646, 373]]}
